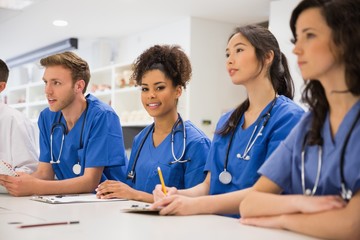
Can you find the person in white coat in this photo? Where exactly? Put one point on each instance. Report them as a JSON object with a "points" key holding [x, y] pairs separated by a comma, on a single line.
{"points": [[18, 135]]}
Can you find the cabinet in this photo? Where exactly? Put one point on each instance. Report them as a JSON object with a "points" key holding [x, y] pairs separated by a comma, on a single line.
{"points": [[28, 98], [110, 84], [209, 94]]}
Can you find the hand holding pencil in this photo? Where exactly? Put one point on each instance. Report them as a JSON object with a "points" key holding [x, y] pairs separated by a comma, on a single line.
{"points": [[162, 181], [161, 190]]}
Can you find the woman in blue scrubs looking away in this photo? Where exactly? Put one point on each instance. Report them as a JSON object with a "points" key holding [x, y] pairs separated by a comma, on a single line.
{"points": [[247, 135], [178, 147], [318, 165]]}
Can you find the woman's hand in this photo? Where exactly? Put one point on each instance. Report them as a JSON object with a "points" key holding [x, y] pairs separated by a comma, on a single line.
{"points": [[304, 204], [268, 222], [159, 194], [313, 204], [177, 205], [114, 189]]}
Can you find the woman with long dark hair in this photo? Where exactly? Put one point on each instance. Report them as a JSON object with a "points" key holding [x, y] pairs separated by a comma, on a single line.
{"points": [[247, 135], [317, 166]]}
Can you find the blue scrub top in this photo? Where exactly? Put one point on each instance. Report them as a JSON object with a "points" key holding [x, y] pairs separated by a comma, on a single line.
{"points": [[179, 175], [102, 139], [284, 116], [284, 165]]}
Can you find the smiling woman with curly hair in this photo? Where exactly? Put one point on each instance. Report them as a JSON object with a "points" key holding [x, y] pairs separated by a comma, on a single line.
{"points": [[178, 147]]}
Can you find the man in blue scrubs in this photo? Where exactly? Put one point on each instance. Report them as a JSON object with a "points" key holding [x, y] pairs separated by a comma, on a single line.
{"points": [[81, 141]]}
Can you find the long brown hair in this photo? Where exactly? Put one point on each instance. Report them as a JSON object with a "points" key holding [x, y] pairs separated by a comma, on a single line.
{"points": [[343, 18], [264, 42]]}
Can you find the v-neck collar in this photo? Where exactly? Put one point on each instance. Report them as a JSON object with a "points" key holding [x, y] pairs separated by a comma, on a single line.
{"points": [[338, 139]]}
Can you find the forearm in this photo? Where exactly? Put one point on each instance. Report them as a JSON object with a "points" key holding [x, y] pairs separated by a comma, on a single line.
{"points": [[334, 224], [74, 185], [267, 204], [198, 190], [227, 203], [201, 189], [82, 184], [142, 196], [44, 175]]}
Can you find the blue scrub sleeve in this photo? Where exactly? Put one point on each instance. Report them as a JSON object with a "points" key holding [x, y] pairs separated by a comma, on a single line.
{"points": [[105, 145], [283, 125], [356, 186], [217, 138], [195, 173], [44, 135], [278, 167]]}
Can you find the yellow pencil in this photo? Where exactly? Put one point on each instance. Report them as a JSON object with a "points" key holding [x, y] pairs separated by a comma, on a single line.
{"points": [[162, 181]]}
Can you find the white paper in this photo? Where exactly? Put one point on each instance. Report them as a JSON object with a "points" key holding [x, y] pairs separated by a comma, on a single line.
{"points": [[72, 198], [6, 169]]}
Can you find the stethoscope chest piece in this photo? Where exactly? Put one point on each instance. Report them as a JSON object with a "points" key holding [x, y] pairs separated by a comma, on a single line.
{"points": [[76, 168], [308, 192], [346, 194], [225, 177], [247, 157]]}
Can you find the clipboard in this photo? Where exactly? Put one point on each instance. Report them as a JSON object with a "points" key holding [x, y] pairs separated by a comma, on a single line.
{"points": [[141, 208], [72, 198], [6, 169]]}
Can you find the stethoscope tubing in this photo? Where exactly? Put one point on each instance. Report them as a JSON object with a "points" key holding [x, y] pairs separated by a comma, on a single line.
{"points": [[63, 127], [266, 118], [131, 173], [345, 193]]}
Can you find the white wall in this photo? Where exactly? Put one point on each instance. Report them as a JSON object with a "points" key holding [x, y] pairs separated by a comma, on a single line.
{"points": [[212, 92], [279, 25], [178, 32]]}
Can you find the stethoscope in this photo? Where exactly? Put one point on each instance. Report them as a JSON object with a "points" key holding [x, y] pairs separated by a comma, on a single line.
{"points": [[225, 176], [77, 167], [345, 192], [131, 174]]}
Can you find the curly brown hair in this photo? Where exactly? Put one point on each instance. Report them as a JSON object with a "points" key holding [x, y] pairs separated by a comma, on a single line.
{"points": [[169, 59]]}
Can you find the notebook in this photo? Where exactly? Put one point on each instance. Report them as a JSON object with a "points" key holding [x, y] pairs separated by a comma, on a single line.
{"points": [[141, 208], [6, 169], [72, 198]]}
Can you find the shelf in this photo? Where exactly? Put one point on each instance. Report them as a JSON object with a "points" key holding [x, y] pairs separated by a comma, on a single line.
{"points": [[18, 105], [127, 89], [17, 88], [135, 124], [104, 84], [37, 84], [102, 93], [38, 103]]}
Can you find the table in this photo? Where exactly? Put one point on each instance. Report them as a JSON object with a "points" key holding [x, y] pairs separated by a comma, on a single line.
{"points": [[105, 220]]}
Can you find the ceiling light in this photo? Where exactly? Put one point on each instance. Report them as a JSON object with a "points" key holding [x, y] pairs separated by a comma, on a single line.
{"points": [[68, 44], [15, 4], [60, 23]]}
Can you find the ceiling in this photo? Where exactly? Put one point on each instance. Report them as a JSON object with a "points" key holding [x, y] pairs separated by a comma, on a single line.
{"points": [[31, 28]]}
